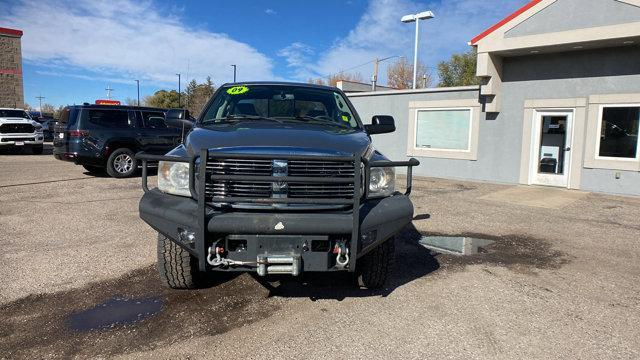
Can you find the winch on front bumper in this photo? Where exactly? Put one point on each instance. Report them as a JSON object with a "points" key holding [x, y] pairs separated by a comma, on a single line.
{"points": [[276, 239]]}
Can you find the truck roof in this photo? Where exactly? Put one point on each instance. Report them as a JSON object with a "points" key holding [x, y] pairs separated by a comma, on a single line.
{"points": [[283, 83], [117, 107]]}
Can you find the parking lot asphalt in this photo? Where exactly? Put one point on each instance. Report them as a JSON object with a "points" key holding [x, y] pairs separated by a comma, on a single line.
{"points": [[559, 281]]}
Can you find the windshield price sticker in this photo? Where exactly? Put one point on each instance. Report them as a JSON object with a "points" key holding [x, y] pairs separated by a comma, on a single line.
{"points": [[237, 90]]}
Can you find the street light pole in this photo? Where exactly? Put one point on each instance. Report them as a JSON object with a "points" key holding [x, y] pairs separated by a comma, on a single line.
{"points": [[425, 15], [138, 85], [179, 103], [234, 73], [415, 54]]}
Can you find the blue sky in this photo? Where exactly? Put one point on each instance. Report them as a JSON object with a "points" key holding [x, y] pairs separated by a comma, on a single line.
{"points": [[73, 49]]}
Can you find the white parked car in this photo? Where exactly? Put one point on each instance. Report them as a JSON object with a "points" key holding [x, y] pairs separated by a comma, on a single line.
{"points": [[17, 129]]}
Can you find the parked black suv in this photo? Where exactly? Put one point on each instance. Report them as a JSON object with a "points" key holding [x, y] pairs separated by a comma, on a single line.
{"points": [[105, 137], [277, 178]]}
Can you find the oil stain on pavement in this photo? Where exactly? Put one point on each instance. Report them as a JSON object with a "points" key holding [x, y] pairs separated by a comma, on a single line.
{"points": [[92, 321], [115, 312]]}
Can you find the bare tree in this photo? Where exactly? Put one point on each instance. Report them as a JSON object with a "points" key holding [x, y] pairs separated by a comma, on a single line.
{"points": [[332, 80], [400, 75], [48, 109], [131, 101], [58, 112]]}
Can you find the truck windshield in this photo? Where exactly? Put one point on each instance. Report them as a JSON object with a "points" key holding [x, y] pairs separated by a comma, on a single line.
{"points": [[14, 113], [279, 103]]}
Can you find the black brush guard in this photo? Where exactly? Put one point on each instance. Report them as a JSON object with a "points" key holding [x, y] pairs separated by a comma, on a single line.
{"points": [[361, 188]]}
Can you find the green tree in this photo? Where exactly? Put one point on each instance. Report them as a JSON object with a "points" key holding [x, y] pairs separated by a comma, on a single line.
{"points": [[197, 95], [162, 99], [460, 70]]}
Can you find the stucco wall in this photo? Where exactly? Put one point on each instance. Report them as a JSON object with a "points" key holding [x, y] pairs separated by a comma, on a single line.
{"points": [[493, 164], [584, 14], [575, 74]]}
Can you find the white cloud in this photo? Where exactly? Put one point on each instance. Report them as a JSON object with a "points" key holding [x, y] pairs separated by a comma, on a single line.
{"points": [[270, 12], [297, 54], [126, 39], [379, 33]]}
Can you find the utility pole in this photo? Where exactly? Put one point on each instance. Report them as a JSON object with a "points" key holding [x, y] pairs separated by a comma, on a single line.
{"points": [[374, 77], [179, 103], [138, 85], [40, 98], [234, 73], [109, 90]]}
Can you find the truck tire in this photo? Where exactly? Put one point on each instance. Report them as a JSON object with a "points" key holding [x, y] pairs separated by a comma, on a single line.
{"points": [[92, 169], [37, 149], [177, 268], [374, 269], [122, 163]]}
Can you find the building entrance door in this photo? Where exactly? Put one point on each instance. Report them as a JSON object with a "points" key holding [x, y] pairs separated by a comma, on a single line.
{"points": [[551, 152]]}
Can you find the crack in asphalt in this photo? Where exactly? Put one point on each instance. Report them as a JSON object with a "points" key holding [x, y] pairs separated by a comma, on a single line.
{"points": [[46, 182], [137, 197]]}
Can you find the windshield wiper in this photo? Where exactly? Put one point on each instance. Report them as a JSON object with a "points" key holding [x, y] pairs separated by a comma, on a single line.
{"points": [[237, 118], [319, 120]]}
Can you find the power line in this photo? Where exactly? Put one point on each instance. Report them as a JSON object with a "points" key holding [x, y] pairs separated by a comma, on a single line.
{"points": [[349, 69], [367, 63]]}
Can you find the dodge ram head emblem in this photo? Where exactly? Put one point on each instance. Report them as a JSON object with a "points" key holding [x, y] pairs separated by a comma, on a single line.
{"points": [[279, 189]]}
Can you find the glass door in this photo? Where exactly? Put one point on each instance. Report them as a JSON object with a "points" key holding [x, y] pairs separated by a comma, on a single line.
{"points": [[551, 153]]}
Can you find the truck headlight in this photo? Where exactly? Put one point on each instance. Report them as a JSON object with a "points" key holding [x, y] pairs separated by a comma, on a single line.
{"points": [[382, 181], [38, 128], [173, 178]]}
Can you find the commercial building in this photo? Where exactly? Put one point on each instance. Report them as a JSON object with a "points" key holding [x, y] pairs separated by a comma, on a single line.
{"points": [[11, 85], [559, 103]]}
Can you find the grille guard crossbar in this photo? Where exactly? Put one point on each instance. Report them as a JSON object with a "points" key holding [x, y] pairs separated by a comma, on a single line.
{"points": [[360, 181]]}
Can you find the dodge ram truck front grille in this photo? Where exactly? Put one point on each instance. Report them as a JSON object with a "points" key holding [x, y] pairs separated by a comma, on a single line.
{"points": [[273, 167], [16, 129]]}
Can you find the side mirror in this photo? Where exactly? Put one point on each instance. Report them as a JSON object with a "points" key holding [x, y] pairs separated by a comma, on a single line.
{"points": [[381, 124], [179, 118]]}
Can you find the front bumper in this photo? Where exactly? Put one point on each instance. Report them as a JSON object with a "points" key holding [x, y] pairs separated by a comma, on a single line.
{"points": [[200, 228], [378, 219], [21, 139]]}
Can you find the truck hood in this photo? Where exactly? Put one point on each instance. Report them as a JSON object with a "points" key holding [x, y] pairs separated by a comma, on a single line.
{"points": [[278, 139]]}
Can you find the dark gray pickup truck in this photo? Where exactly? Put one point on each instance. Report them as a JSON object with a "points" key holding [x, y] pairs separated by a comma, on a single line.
{"points": [[276, 178]]}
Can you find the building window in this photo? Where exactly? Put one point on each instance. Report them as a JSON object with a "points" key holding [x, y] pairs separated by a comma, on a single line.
{"points": [[444, 129], [618, 129]]}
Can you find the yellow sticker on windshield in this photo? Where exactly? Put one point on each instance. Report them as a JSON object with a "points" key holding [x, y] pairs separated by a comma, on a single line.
{"points": [[345, 118], [237, 90]]}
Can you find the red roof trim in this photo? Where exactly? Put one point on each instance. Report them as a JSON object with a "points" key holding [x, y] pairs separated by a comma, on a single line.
{"points": [[504, 21], [12, 32]]}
